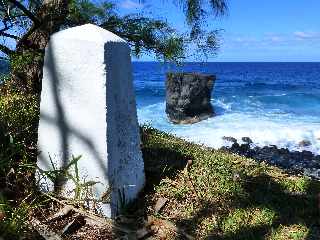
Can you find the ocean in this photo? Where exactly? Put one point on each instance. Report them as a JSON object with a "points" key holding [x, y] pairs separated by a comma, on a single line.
{"points": [[272, 103]]}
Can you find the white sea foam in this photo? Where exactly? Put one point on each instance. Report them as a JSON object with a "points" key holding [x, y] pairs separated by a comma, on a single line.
{"points": [[221, 104], [282, 130]]}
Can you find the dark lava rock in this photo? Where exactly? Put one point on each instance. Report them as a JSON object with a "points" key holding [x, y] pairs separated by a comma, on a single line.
{"points": [[229, 139], [188, 97], [235, 148], [247, 140], [244, 148], [284, 151], [317, 158], [305, 143], [307, 155], [304, 162]]}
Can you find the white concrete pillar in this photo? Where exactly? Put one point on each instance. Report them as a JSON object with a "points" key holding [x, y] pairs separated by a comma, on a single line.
{"points": [[88, 108]]}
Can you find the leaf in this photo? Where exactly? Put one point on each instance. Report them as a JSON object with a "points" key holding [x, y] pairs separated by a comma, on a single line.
{"points": [[89, 184], [73, 162]]}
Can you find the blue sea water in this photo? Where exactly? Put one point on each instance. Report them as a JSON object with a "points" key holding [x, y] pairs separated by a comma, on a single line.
{"points": [[272, 103]]}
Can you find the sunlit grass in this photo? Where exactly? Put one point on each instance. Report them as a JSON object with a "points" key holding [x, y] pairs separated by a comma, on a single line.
{"points": [[225, 196]]}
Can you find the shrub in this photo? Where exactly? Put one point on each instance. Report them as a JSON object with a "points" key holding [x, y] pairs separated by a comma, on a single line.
{"points": [[19, 116], [18, 137]]}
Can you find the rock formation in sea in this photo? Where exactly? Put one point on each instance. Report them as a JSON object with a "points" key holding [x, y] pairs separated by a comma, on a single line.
{"points": [[88, 109], [188, 97]]}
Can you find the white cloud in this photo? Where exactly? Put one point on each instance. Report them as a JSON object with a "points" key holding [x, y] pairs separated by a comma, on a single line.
{"points": [[272, 40], [306, 35], [276, 39], [130, 4], [258, 42], [244, 39]]}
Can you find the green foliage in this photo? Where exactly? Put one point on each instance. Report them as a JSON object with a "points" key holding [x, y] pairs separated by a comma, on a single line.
{"points": [[14, 223], [86, 11], [154, 36], [147, 35], [19, 114], [293, 232], [10, 151], [18, 123], [198, 12], [240, 219], [144, 33], [226, 196], [18, 61], [82, 187]]}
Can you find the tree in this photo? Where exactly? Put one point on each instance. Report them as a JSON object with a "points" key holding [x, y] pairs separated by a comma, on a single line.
{"points": [[28, 24], [25, 29]]}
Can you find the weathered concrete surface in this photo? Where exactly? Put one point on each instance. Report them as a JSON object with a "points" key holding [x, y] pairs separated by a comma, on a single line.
{"points": [[88, 109], [188, 97]]}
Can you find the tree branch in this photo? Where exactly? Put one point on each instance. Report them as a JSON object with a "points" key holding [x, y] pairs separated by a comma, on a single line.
{"points": [[4, 29], [4, 58], [25, 11], [6, 50], [9, 35], [6, 26]]}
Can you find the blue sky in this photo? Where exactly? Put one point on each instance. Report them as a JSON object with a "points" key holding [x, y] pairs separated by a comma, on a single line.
{"points": [[263, 30]]}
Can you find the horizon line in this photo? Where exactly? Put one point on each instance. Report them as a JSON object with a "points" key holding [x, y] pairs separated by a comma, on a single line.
{"points": [[135, 61]]}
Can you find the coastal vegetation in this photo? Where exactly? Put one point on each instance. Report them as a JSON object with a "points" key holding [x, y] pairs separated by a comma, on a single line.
{"points": [[217, 195], [27, 28], [203, 194]]}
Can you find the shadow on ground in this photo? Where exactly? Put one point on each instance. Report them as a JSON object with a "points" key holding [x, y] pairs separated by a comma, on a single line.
{"points": [[290, 209]]}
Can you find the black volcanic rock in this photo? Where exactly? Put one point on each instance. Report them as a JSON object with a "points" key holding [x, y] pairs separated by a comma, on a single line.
{"points": [[305, 143], [188, 97], [229, 139], [304, 162], [247, 140]]}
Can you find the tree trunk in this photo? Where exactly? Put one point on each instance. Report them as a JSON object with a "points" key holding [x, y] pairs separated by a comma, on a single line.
{"points": [[30, 49]]}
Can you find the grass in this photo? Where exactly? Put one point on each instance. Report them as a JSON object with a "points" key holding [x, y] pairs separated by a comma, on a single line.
{"points": [[218, 195], [211, 195]]}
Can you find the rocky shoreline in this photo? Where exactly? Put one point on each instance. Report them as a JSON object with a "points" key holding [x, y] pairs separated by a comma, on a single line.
{"points": [[304, 162]]}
